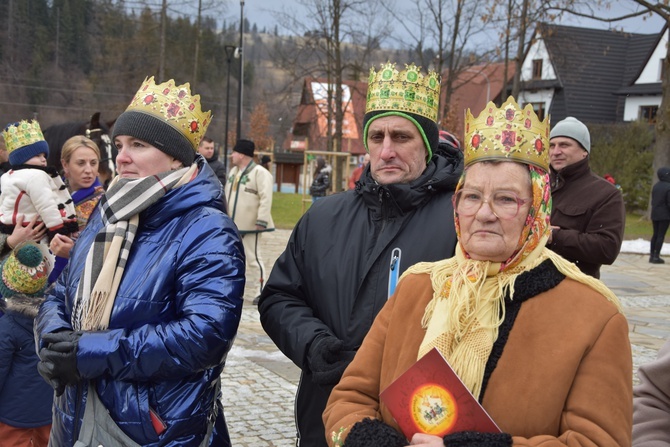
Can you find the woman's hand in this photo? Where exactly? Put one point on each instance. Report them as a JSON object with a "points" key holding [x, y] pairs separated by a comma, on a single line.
{"points": [[424, 440], [61, 245], [31, 232]]}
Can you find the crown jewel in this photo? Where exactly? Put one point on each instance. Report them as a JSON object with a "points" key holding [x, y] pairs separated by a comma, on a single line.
{"points": [[508, 133], [405, 91], [175, 105], [22, 134]]}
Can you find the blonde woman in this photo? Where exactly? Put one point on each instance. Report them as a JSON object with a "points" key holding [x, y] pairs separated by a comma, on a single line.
{"points": [[80, 158]]}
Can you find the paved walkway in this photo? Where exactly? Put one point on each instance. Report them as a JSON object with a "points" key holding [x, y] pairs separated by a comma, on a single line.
{"points": [[259, 382]]}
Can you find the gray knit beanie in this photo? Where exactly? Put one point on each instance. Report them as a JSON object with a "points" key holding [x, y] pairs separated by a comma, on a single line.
{"points": [[571, 127], [156, 132]]}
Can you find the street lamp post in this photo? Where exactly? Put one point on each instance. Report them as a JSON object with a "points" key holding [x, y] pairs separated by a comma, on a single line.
{"points": [[241, 55], [230, 52]]}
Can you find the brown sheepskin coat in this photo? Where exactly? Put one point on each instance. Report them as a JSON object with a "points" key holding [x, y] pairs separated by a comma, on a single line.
{"points": [[560, 372]]}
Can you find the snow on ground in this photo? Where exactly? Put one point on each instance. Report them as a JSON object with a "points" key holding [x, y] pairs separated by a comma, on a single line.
{"points": [[641, 246]]}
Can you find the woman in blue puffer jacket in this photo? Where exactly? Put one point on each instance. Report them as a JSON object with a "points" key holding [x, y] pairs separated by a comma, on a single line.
{"points": [[150, 302]]}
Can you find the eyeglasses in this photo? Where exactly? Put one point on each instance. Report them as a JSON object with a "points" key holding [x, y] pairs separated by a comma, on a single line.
{"points": [[504, 204]]}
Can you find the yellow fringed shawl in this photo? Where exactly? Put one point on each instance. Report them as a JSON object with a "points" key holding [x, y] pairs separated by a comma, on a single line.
{"points": [[467, 308]]}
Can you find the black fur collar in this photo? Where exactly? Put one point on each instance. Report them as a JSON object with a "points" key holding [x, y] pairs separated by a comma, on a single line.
{"points": [[529, 284], [52, 171]]}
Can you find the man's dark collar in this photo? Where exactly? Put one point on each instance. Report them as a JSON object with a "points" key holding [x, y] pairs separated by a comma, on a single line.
{"points": [[576, 169]]}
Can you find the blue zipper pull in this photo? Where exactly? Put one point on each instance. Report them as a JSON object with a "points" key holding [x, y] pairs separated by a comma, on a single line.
{"points": [[394, 270]]}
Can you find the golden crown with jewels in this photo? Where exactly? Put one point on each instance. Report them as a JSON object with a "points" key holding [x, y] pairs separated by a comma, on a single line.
{"points": [[507, 133], [404, 91], [22, 134], [175, 105]]}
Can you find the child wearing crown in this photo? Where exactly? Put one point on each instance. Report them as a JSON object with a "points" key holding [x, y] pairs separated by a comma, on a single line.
{"points": [[31, 188]]}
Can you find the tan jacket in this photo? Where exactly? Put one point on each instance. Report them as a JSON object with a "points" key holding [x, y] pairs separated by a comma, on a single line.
{"points": [[250, 198], [563, 378]]}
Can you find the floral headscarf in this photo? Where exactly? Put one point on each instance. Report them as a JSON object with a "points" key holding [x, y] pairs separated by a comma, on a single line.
{"points": [[537, 222]]}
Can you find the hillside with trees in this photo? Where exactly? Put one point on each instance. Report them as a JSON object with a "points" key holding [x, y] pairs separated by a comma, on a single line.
{"points": [[63, 60]]}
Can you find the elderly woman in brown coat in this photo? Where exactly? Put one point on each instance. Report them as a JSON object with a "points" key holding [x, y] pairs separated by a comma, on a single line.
{"points": [[543, 347]]}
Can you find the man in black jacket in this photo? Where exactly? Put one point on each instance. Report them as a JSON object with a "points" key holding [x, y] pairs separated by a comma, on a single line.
{"points": [[206, 149], [347, 252], [660, 214]]}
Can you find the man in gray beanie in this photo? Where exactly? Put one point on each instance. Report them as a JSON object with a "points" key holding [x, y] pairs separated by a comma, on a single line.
{"points": [[588, 215]]}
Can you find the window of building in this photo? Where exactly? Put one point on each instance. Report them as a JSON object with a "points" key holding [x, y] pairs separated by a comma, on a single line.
{"points": [[648, 114], [537, 68], [538, 108]]}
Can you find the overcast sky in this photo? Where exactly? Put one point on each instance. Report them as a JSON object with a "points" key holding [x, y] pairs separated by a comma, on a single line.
{"points": [[261, 13]]}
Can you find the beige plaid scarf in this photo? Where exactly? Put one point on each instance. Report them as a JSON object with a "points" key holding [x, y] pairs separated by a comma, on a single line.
{"points": [[106, 259]]}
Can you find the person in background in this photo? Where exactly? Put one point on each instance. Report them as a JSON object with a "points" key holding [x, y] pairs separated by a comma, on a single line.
{"points": [[249, 194], [25, 398], [502, 312], [321, 181], [32, 188], [80, 158], [345, 255], [449, 139], [206, 149], [651, 402], [266, 161], [588, 215], [660, 214], [358, 171], [143, 316]]}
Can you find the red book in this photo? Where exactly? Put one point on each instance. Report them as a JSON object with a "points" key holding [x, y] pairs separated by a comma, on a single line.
{"points": [[430, 398]]}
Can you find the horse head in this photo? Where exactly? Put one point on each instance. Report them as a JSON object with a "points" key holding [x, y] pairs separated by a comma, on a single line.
{"points": [[99, 132]]}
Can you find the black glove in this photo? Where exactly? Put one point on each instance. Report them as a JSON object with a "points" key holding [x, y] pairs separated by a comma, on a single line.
{"points": [[478, 439], [327, 360], [46, 370], [58, 360], [374, 433]]}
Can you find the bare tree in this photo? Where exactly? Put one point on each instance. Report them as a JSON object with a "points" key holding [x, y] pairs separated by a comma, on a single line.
{"points": [[161, 63], [517, 20], [196, 50], [441, 31], [335, 45], [259, 127], [201, 9]]}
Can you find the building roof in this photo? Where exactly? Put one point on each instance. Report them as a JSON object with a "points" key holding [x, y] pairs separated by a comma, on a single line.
{"points": [[653, 89], [591, 66], [471, 88], [640, 52], [306, 122]]}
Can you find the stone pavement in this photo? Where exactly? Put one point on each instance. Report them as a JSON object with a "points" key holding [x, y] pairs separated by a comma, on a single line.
{"points": [[259, 382]]}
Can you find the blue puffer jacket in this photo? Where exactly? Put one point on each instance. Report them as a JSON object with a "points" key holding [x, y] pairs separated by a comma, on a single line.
{"points": [[25, 398], [174, 320]]}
